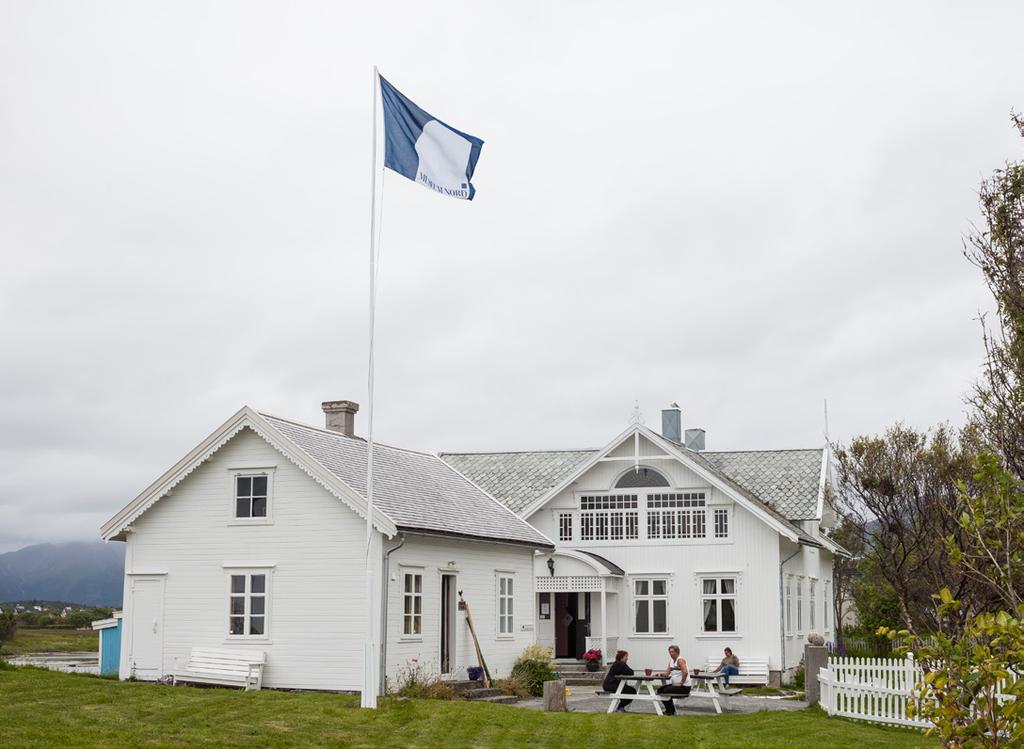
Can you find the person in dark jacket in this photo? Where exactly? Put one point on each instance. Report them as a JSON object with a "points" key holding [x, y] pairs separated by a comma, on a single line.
{"points": [[611, 683]]}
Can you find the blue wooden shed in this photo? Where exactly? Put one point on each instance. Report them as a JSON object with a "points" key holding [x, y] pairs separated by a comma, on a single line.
{"points": [[110, 643]]}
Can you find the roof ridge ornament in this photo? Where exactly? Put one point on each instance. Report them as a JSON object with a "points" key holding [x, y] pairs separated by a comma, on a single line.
{"points": [[637, 418]]}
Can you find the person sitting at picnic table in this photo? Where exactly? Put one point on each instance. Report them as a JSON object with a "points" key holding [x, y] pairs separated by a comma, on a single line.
{"points": [[679, 675], [611, 681], [730, 665]]}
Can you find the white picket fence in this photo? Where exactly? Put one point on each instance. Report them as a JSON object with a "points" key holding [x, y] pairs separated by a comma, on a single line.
{"points": [[874, 689]]}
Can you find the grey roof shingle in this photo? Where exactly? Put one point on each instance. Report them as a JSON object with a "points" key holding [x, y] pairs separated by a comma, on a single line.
{"points": [[784, 480], [418, 491], [788, 480], [518, 478]]}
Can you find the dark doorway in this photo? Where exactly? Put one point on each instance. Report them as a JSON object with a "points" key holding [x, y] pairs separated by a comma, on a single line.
{"points": [[447, 623], [571, 624]]}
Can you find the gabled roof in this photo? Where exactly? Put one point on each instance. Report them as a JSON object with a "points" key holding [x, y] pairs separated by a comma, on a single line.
{"points": [[413, 491], [518, 478], [786, 482], [418, 491]]}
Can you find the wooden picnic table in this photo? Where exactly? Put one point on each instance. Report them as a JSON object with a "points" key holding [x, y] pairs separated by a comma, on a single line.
{"points": [[707, 680]]}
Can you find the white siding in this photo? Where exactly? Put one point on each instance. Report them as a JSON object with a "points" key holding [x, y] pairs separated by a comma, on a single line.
{"points": [[476, 566], [315, 543], [750, 554]]}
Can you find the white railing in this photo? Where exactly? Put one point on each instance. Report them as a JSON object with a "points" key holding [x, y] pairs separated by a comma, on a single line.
{"points": [[874, 689]]}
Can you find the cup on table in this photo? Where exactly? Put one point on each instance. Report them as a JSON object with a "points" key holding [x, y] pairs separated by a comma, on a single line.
{"points": [[647, 672]]}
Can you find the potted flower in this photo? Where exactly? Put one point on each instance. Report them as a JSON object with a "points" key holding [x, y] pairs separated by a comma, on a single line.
{"points": [[593, 659]]}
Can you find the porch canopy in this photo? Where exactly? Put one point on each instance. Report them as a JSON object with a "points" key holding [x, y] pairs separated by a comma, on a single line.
{"points": [[576, 571]]}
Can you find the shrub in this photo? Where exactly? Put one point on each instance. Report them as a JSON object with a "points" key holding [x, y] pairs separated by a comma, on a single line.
{"points": [[537, 652], [515, 685], [8, 627], [416, 682], [532, 669]]}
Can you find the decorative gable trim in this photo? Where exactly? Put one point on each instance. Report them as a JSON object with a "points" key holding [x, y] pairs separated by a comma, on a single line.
{"points": [[639, 430], [245, 418]]}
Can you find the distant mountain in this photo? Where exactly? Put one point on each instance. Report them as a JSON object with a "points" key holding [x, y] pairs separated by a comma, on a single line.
{"points": [[84, 572]]}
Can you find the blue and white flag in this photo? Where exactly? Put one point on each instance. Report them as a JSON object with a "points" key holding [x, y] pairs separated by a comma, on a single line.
{"points": [[419, 146]]}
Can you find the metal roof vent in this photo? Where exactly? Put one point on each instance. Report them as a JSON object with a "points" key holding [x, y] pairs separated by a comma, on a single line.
{"points": [[694, 439]]}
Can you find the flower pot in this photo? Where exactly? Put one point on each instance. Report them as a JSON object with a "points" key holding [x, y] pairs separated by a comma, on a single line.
{"points": [[593, 665], [475, 673]]}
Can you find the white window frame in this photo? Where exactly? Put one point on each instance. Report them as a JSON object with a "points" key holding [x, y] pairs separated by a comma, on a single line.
{"points": [[601, 522], [789, 605], [827, 607], [688, 515], [799, 604], [719, 596], [812, 585], [251, 471], [649, 598], [414, 618], [505, 608], [248, 571], [564, 520], [726, 515]]}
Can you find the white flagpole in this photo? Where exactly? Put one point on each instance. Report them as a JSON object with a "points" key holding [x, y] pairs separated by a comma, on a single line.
{"points": [[369, 694]]}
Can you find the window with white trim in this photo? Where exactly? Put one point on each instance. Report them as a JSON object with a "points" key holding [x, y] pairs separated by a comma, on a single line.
{"points": [[812, 584], [247, 604], [721, 523], [650, 606], [718, 604], [251, 496], [565, 526], [412, 604], [506, 600], [800, 605], [789, 604], [609, 518], [827, 605], [677, 515]]}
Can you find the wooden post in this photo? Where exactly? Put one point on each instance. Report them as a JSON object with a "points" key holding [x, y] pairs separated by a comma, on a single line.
{"points": [[554, 696], [476, 642]]}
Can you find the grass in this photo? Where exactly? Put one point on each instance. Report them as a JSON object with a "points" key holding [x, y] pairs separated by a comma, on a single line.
{"points": [[47, 709], [51, 641]]}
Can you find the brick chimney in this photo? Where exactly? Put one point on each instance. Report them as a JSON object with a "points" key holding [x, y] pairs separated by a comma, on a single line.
{"points": [[341, 416]]}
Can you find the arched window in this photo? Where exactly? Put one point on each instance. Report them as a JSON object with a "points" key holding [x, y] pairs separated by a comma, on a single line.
{"points": [[641, 478]]}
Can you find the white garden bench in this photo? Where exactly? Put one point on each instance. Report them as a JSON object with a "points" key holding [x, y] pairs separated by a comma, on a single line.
{"points": [[753, 670], [229, 668]]}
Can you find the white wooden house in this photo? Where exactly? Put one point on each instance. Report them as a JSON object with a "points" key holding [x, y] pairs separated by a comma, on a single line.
{"points": [[659, 541], [256, 540]]}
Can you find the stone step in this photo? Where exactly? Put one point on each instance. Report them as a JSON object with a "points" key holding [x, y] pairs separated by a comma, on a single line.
{"points": [[464, 686], [481, 694], [499, 699]]}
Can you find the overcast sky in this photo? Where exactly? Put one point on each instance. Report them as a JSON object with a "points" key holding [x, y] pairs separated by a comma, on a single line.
{"points": [[745, 208]]}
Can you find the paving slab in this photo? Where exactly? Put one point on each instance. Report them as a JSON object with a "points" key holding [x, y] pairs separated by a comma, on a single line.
{"points": [[583, 700]]}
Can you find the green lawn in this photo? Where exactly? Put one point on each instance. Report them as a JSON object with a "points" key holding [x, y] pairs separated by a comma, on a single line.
{"points": [[51, 641], [48, 709]]}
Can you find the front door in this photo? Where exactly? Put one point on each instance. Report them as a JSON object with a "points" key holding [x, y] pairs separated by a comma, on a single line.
{"points": [[145, 661], [448, 609]]}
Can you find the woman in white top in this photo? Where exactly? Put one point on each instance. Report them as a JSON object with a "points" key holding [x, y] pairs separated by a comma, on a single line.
{"points": [[680, 681]]}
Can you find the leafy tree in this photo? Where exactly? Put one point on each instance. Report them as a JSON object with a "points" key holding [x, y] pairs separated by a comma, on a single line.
{"points": [[901, 490], [850, 536], [998, 251]]}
